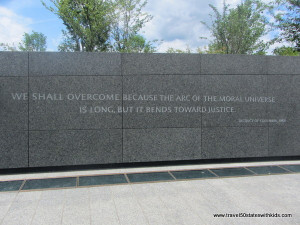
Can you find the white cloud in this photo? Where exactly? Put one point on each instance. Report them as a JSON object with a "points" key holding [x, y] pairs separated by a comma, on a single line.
{"points": [[177, 23], [176, 44], [231, 3], [269, 37], [12, 26]]}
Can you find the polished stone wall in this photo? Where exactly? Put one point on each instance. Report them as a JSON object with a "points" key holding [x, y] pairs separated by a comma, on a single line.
{"points": [[61, 109]]}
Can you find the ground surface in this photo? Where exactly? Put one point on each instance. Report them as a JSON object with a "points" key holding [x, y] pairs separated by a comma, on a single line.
{"points": [[174, 202]]}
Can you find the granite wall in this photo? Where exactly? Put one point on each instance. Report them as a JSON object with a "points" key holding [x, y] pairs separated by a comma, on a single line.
{"points": [[95, 108]]}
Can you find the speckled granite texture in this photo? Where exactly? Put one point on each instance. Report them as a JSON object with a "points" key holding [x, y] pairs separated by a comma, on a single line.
{"points": [[78, 108]]}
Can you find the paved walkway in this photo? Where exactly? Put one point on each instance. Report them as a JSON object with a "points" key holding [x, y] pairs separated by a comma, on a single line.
{"points": [[175, 202]]}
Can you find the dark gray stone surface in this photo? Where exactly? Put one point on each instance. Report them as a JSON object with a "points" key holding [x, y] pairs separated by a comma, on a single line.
{"points": [[233, 64], [148, 64], [60, 134], [284, 141], [74, 147], [285, 89], [162, 85], [13, 149], [64, 182], [144, 145], [13, 64], [13, 113], [283, 65], [65, 114], [234, 142], [241, 86], [76, 63]]}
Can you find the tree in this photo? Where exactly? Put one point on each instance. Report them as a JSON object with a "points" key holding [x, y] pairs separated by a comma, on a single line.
{"points": [[238, 30], [287, 17], [69, 43], [7, 47], [35, 42], [87, 23], [102, 25], [128, 20], [139, 44], [172, 50], [211, 49], [286, 51]]}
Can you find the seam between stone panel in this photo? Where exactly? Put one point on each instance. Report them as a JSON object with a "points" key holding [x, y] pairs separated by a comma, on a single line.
{"points": [[206, 74], [100, 129], [28, 109], [200, 64], [268, 109], [195, 74], [109, 128], [201, 116], [11, 76], [141, 128], [76, 75], [137, 128], [201, 124], [122, 82]]}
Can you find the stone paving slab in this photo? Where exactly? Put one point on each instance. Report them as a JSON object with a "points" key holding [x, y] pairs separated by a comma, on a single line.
{"points": [[176, 202]]}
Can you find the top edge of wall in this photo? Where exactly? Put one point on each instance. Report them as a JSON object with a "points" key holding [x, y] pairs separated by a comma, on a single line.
{"points": [[117, 64]]}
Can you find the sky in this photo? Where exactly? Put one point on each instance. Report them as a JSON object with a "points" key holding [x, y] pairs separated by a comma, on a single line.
{"points": [[175, 23]]}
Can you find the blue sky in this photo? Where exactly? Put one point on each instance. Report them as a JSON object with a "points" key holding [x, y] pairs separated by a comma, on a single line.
{"points": [[176, 22], [19, 16]]}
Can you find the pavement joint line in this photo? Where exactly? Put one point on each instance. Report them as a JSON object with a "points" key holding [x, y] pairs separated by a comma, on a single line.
{"points": [[250, 170], [280, 166], [139, 204], [77, 181], [22, 185], [1, 221], [127, 179], [209, 170], [36, 207], [63, 207], [172, 175]]}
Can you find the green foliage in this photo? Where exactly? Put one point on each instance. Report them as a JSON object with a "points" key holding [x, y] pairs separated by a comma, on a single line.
{"points": [[87, 23], [211, 49], [238, 30], [286, 51], [7, 47], [35, 42], [287, 17], [69, 43], [128, 20], [138, 44], [102, 25], [172, 50]]}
